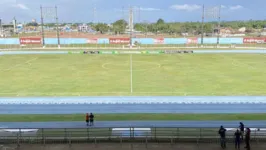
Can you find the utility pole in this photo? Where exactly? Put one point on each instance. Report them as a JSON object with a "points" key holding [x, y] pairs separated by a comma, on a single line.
{"points": [[43, 40], [139, 14], [94, 15], [219, 26], [1, 26], [202, 25], [131, 25], [57, 28]]}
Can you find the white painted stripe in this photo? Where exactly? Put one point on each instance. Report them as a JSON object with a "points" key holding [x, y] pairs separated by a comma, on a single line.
{"points": [[118, 100]]}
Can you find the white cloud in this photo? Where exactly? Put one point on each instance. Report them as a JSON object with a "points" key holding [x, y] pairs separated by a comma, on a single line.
{"points": [[149, 9], [236, 7], [186, 7], [22, 6], [223, 6], [139, 8]]}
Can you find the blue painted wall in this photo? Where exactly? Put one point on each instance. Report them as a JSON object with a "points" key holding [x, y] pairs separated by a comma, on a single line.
{"points": [[103, 41], [53, 41], [231, 40], [143, 40], [222, 41], [9, 41], [175, 40], [208, 40]]}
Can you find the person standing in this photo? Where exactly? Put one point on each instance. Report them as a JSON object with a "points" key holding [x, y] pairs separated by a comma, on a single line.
{"points": [[237, 139], [242, 128], [87, 119], [222, 132], [247, 138], [91, 119]]}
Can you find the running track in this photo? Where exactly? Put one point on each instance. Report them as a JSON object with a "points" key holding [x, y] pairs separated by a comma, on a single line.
{"points": [[134, 104]]}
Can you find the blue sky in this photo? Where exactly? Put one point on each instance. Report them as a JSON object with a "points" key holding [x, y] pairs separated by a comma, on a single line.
{"points": [[150, 10]]}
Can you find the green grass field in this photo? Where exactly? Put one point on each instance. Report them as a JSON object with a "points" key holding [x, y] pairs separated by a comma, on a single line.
{"points": [[131, 117], [110, 75]]}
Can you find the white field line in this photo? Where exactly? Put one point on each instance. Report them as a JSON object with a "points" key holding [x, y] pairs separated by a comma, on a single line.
{"points": [[80, 93], [131, 74], [27, 62]]}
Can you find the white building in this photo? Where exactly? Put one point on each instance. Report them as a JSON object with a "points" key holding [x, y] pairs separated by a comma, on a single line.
{"points": [[83, 28]]}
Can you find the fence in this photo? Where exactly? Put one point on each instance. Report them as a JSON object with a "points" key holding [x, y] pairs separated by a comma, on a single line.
{"points": [[95, 135], [36, 42]]}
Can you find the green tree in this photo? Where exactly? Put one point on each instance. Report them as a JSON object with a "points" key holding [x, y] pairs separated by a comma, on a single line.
{"points": [[208, 28], [119, 26], [160, 21], [141, 27], [101, 27]]}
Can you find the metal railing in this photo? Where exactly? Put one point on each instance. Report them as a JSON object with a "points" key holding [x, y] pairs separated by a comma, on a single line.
{"points": [[88, 135]]}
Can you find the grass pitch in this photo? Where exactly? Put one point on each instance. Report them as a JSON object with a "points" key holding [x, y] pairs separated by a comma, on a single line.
{"points": [[110, 75], [132, 117]]}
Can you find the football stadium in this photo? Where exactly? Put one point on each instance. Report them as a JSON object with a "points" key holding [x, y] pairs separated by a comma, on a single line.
{"points": [[114, 86]]}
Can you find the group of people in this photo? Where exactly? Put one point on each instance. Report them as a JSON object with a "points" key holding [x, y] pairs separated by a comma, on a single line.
{"points": [[239, 136], [89, 119]]}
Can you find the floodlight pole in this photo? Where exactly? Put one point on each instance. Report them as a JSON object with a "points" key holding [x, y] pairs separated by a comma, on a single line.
{"points": [[43, 40], [219, 26], [131, 26], [57, 29], [202, 25], [1, 25]]}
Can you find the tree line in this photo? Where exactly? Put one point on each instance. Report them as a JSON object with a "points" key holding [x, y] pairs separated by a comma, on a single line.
{"points": [[120, 26], [182, 27]]}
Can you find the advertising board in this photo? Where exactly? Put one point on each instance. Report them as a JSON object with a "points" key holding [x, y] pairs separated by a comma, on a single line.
{"points": [[159, 41], [30, 40], [119, 40], [192, 40], [92, 41], [254, 40]]}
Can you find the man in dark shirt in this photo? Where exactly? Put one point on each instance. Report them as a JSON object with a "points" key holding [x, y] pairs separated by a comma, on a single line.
{"points": [[247, 138], [91, 119], [222, 135], [242, 128], [237, 139]]}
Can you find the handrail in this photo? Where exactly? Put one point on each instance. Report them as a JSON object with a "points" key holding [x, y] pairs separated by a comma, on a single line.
{"points": [[152, 132], [95, 127]]}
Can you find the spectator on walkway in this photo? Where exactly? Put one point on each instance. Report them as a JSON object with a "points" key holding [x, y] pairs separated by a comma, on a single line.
{"points": [[222, 132], [242, 128], [91, 119], [237, 139], [87, 119], [247, 138]]}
